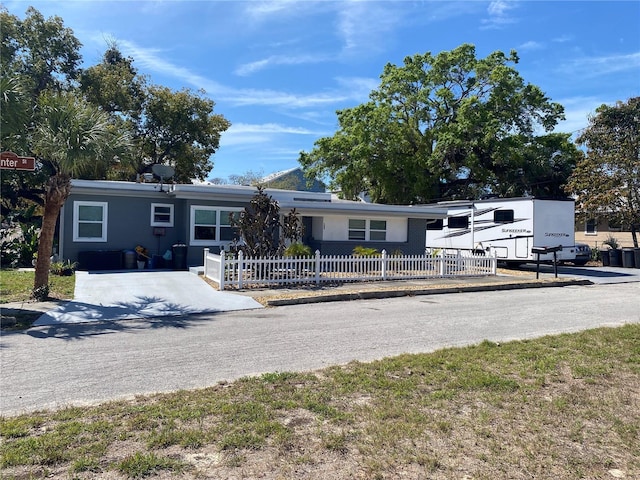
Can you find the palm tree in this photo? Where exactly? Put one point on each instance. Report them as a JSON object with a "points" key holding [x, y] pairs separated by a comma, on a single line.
{"points": [[14, 106], [70, 135]]}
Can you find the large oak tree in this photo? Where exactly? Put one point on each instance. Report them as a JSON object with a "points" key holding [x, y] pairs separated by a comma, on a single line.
{"points": [[447, 126], [606, 181], [175, 128]]}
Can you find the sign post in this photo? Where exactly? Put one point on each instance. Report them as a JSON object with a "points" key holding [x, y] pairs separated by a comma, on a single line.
{"points": [[11, 161]]}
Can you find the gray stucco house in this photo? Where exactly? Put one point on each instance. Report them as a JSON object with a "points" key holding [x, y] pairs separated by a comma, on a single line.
{"points": [[102, 219]]}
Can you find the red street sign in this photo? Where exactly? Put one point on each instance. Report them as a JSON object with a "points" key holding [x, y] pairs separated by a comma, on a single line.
{"points": [[11, 161]]}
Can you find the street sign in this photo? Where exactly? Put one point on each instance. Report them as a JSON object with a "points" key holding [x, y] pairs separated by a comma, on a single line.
{"points": [[11, 161]]}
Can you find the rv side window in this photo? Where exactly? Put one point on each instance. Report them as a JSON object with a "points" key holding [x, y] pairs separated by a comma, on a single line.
{"points": [[459, 222], [436, 225], [503, 216]]}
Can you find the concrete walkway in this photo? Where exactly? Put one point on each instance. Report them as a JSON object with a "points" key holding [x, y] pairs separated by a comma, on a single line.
{"points": [[110, 296], [101, 296]]}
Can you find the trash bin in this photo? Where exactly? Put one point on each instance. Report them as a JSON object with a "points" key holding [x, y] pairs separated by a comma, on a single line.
{"points": [[636, 254], [628, 260], [156, 262], [179, 252], [604, 255], [129, 259], [615, 257]]}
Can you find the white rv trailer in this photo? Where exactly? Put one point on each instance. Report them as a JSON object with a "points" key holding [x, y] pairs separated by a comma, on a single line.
{"points": [[508, 228]]}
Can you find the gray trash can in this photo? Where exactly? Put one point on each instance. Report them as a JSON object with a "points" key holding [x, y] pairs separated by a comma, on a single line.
{"points": [[628, 258], [129, 259], [615, 257], [179, 252]]}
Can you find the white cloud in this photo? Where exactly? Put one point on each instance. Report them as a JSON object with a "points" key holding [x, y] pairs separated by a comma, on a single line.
{"points": [[499, 15], [363, 25], [275, 60], [604, 65], [153, 60], [247, 133], [562, 39], [531, 45]]}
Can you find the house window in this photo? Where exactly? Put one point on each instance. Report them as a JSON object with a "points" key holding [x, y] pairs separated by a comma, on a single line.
{"points": [[367, 230], [591, 227], [459, 222], [211, 225], [161, 215], [503, 216], [357, 229], [378, 230], [227, 232], [90, 221]]}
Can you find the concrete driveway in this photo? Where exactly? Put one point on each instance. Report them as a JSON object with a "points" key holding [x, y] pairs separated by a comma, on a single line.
{"points": [[106, 296], [599, 275]]}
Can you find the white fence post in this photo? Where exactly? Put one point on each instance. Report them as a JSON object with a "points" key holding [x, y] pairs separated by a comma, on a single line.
{"points": [[442, 261], [223, 267], [384, 264], [240, 266], [317, 269], [206, 254]]}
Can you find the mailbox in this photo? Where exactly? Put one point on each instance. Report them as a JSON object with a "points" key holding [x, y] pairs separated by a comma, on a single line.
{"points": [[543, 251]]}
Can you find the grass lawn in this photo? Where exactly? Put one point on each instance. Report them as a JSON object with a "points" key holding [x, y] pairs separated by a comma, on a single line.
{"points": [[559, 407], [16, 286]]}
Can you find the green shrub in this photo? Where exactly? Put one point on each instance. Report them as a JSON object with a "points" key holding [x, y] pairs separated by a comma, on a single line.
{"points": [[298, 249], [360, 251], [63, 268], [612, 242]]}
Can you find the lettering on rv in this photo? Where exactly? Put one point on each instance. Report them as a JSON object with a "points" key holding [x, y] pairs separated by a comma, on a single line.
{"points": [[556, 234], [515, 230]]}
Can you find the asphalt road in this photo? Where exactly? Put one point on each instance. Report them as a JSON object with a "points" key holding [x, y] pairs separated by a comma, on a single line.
{"points": [[55, 366]]}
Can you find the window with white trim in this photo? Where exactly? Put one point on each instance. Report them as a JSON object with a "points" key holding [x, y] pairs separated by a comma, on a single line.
{"points": [[367, 230], [378, 230], [591, 227], [90, 221], [161, 215], [211, 225]]}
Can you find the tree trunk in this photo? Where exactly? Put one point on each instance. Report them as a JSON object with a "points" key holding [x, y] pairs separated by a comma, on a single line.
{"points": [[57, 191]]}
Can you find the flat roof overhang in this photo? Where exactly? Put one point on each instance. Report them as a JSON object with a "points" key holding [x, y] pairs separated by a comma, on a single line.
{"points": [[305, 203]]}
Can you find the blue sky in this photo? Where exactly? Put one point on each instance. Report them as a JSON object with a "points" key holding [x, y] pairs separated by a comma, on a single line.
{"points": [[279, 70]]}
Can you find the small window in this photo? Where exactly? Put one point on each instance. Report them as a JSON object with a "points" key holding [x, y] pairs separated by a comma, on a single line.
{"points": [[161, 215], [435, 225], [90, 221], [211, 225], [378, 230], [227, 232], [591, 227], [503, 216], [357, 229], [459, 222]]}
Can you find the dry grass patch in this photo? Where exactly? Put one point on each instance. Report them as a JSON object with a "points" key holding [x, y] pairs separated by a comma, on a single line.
{"points": [[563, 406]]}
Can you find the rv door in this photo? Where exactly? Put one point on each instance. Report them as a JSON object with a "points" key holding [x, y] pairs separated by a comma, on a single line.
{"points": [[522, 247]]}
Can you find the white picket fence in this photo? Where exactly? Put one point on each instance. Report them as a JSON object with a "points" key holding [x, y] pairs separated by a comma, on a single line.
{"points": [[240, 272]]}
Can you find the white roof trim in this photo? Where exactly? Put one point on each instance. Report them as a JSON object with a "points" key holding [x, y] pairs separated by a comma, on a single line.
{"points": [[306, 203]]}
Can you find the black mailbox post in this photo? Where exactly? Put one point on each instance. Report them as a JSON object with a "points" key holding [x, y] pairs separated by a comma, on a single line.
{"points": [[543, 251]]}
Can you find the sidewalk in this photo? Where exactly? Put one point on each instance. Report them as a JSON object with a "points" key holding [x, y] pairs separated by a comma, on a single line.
{"points": [[272, 297], [398, 288]]}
